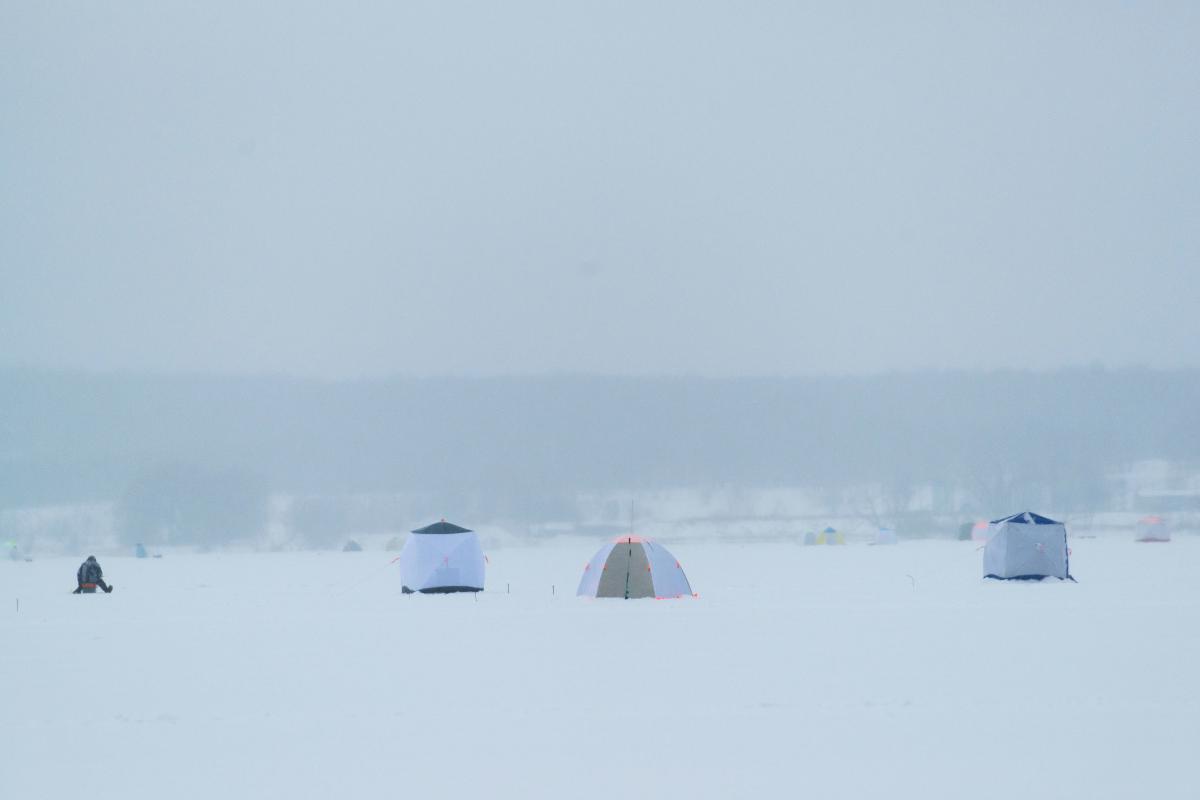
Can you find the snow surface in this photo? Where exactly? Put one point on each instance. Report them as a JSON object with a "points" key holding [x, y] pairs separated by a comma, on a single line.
{"points": [[828, 672]]}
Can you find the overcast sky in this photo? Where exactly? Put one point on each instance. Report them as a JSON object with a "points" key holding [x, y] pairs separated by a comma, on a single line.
{"points": [[347, 189]]}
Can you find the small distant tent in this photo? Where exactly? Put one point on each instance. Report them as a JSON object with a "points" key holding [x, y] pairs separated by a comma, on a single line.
{"points": [[440, 559], [980, 531], [885, 536], [1026, 546], [1153, 529], [830, 536], [139, 550], [810, 537], [352, 547], [631, 567]]}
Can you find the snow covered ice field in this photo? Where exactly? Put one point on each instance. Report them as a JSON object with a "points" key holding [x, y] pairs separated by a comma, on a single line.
{"points": [[849, 671]]}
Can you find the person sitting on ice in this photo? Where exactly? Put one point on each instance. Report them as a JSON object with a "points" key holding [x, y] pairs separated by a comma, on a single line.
{"points": [[90, 576]]}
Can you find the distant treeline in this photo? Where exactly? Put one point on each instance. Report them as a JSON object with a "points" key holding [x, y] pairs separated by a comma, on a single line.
{"points": [[528, 443]]}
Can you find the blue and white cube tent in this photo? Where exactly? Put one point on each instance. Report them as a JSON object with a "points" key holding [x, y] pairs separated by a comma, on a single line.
{"points": [[1026, 546], [440, 559]]}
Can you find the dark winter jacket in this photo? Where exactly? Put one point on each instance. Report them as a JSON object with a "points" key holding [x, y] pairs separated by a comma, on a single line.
{"points": [[89, 572]]}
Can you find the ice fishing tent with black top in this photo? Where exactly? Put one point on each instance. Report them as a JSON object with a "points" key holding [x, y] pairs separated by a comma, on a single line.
{"points": [[441, 558], [633, 567], [1026, 546], [1153, 529]]}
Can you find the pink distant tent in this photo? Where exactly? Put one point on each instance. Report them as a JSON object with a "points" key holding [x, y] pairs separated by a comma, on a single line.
{"points": [[1153, 529], [979, 531]]}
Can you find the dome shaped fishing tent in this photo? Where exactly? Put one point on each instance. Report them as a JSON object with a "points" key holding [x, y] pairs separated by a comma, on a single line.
{"points": [[441, 558], [352, 547], [1026, 546], [632, 567], [1153, 529]]}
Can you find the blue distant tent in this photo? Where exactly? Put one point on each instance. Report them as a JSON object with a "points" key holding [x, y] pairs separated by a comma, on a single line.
{"points": [[139, 550], [1026, 546]]}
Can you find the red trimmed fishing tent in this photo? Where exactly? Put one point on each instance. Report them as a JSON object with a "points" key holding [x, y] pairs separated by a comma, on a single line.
{"points": [[632, 567], [1153, 529]]}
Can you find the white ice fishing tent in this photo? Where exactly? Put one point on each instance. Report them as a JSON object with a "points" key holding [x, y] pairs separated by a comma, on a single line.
{"points": [[1153, 529], [633, 567], [1026, 546], [441, 558]]}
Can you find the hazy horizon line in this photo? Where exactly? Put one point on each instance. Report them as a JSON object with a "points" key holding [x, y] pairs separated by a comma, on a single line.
{"points": [[395, 377]]}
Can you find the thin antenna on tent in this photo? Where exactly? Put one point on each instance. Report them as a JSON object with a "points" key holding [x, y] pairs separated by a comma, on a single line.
{"points": [[629, 542]]}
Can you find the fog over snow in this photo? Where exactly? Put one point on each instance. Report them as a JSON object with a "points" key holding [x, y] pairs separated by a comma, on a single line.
{"points": [[473, 188]]}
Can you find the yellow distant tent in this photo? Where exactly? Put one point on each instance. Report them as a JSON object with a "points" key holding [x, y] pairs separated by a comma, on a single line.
{"points": [[830, 536]]}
